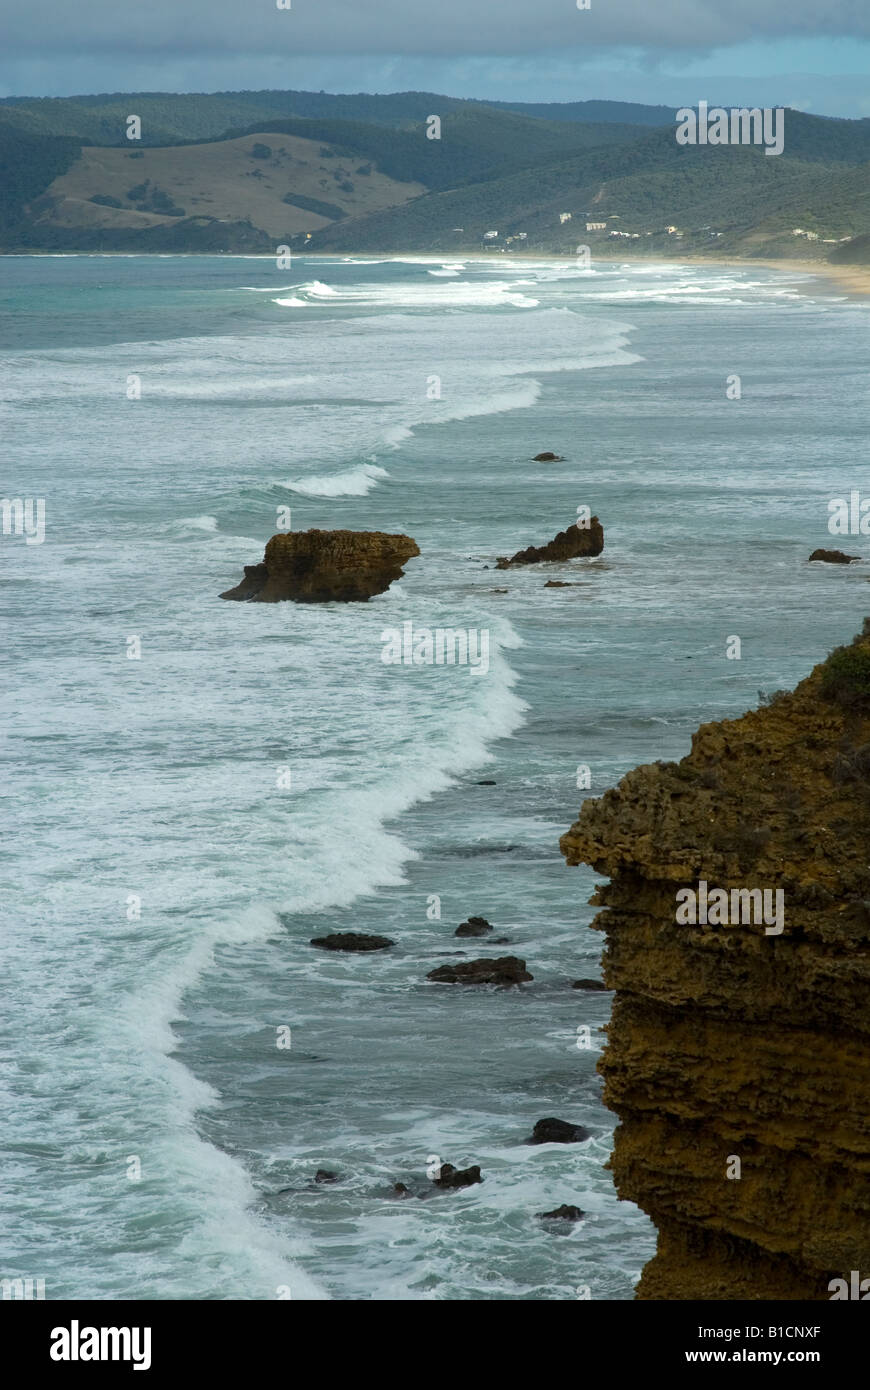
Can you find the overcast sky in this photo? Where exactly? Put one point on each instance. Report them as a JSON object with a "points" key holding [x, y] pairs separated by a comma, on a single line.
{"points": [[809, 53]]}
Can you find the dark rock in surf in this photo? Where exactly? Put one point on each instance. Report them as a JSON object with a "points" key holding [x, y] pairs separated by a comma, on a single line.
{"points": [[503, 970], [558, 1132], [351, 941], [832, 557], [590, 984], [325, 566], [563, 1213], [457, 1177], [475, 926], [547, 457], [573, 543]]}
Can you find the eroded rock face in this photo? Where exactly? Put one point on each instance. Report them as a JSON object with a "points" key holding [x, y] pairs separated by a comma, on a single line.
{"points": [[325, 566], [727, 1042], [570, 544]]}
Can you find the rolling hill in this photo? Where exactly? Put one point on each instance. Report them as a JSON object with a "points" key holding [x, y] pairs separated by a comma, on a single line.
{"points": [[249, 170]]}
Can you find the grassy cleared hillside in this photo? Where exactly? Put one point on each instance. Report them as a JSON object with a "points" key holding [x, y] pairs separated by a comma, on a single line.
{"points": [[281, 184]]}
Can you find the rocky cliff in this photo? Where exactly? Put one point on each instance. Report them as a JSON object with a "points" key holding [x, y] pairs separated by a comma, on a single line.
{"points": [[319, 566], [738, 1056]]}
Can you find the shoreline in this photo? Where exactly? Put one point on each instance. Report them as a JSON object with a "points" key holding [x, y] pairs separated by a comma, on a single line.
{"points": [[853, 280]]}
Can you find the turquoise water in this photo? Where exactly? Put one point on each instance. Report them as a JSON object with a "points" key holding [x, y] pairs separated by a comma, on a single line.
{"points": [[162, 880]]}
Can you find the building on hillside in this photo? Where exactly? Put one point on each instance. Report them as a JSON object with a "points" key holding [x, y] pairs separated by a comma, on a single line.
{"points": [[596, 226], [490, 236], [565, 217]]}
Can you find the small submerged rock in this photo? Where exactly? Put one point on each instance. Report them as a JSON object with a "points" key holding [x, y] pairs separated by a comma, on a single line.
{"points": [[560, 584], [590, 984], [503, 970], [475, 926], [324, 1175], [351, 941], [547, 457], [558, 1132]]}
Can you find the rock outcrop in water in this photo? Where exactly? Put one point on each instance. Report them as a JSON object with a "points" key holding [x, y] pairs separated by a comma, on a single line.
{"points": [[450, 1177], [351, 941], [503, 970], [558, 1132], [833, 557], [731, 1050], [571, 544], [325, 566], [475, 926]]}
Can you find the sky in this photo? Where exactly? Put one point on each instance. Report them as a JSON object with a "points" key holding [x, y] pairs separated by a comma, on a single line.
{"points": [[812, 54]]}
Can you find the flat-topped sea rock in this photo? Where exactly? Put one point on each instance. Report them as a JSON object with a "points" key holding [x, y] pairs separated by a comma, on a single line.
{"points": [[325, 566]]}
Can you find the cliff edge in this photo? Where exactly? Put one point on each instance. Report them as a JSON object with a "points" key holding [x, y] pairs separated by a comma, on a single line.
{"points": [[738, 1055]]}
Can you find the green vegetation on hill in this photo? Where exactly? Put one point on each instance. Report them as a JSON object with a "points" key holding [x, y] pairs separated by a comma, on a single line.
{"points": [[475, 144], [190, 235], [497, 166], [622, 112], [28, 164], [855, 252], [168, 117], [738, 192]]}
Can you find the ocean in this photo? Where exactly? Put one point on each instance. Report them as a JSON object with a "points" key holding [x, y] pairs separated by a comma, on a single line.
{"points": [[195, 789]]}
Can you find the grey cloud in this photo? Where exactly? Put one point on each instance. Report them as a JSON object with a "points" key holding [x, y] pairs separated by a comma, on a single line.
{"points": [[430, 27]]}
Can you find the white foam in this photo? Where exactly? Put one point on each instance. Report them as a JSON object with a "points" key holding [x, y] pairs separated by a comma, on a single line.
{"points": [[355, 482], [196, 523], [462, 294]]}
